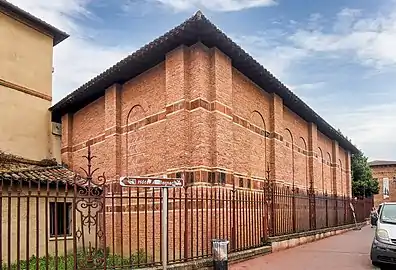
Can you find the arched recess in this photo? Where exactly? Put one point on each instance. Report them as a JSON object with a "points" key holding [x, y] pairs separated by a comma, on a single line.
{"points": [[289, 155], [258, 144], [331, 178], [304, 161], [341, 178], [134, 141], [321, 169]]}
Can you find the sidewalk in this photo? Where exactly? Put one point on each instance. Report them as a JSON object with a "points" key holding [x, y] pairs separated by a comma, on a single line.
{"points": [[347, 251]]}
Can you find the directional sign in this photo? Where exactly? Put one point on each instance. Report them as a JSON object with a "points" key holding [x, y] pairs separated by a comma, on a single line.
{"points": [[138, 181]]}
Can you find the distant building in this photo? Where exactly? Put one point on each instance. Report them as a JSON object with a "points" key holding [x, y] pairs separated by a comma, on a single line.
{"points": [[26, 49], [384, 171]]}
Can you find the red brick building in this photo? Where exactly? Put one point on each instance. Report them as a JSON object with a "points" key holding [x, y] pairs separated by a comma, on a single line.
{"points": [[193, 101], [384, 171]]}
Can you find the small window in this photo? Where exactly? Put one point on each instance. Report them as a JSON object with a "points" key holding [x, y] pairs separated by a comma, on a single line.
{"points": [[222, 178], [249, 183], [212, 177], [60, 219], [241, 182]]}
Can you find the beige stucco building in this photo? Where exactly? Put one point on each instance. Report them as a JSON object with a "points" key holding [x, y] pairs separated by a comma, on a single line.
{"points": [[26, 50], [35, 207]]}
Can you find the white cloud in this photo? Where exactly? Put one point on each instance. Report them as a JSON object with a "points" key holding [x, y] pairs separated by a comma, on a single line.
{"points": [[215, 5], [272, 54], [77, 59], [370, 40]]}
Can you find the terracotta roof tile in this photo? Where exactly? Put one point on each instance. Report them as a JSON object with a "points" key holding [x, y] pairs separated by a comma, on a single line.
{"points": [[51, 174], [381, 162]]}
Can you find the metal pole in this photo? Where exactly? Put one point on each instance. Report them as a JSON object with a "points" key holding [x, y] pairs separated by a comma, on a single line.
{"points": [[164, 229]]}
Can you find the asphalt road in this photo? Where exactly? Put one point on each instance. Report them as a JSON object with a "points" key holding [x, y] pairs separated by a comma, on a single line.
{"points": [[347, 251]]}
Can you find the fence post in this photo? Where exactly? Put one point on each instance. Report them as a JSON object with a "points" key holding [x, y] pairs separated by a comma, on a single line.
{"points": [[233, 236], [269, 195], [345, 210], [336, 209], [312, 208], [294, 209], [327, 209], [185, 224]]}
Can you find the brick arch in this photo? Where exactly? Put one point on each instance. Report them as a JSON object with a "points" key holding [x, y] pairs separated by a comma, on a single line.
{"points": [[257, 119], [258, 146], [289, 154], [321, 168], [331, 180], [341, 180], [303, 160], [134, 139], [135, 113]]}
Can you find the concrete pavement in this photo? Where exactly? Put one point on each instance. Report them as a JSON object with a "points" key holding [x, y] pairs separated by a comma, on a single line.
{"points": [[347, 251]]}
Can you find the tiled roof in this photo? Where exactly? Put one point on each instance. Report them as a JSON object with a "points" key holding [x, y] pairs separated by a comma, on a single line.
{"points": [[381, 162], [196, 29], [16, 12], [51, 174], [15, 168]]}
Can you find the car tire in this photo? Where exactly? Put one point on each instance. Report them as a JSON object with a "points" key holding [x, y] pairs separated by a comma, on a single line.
{"points": [[374, 263]]}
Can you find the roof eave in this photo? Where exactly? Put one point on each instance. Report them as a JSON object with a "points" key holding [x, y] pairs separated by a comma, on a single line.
{"points": [[24, 16]]}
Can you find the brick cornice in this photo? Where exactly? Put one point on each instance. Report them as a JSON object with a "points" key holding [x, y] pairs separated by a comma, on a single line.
{"points": [[24, 89]]}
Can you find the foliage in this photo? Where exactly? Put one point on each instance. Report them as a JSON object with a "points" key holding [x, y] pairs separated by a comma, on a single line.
{"points": [[363, 184], [67, 263]]}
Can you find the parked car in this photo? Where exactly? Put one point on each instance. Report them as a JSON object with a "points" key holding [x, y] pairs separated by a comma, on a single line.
{"points": [[383, 248]]}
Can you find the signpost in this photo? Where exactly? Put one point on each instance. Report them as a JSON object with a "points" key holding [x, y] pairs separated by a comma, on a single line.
{"points": [[157, 182]]}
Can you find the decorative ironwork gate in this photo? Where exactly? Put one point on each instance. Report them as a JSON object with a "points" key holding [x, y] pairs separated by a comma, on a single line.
{"points": [[89, 241]]}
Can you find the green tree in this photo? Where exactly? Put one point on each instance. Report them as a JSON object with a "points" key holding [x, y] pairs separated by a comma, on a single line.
{"points": [[363, 183]]}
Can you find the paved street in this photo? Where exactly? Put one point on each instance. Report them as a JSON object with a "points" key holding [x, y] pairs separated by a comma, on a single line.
{"points": [[347, 251]]}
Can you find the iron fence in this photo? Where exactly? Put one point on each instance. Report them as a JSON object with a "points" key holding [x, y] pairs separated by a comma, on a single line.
{"points": [[91, 224]]}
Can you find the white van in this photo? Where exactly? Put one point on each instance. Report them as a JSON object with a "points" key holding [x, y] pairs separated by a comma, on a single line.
{"points": [[383, 249]]}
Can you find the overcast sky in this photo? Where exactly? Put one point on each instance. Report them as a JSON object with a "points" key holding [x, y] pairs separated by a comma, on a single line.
{"points": [[339, 56]]}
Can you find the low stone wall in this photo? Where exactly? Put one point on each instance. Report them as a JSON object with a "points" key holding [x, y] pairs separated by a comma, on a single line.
{"points": [[292, 240], [232, 258], [274, 244]]}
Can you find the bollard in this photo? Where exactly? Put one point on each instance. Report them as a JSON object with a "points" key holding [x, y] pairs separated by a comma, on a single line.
{"points": [[220, 254]]}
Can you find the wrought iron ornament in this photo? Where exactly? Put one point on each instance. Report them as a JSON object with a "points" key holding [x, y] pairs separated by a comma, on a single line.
{"points": [[89, 204]]}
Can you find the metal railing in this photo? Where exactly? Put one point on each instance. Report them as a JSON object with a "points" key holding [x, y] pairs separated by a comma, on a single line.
{"points": [[91, 224]]}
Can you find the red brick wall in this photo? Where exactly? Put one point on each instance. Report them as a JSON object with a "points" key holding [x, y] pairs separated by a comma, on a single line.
{"points": [[195, 111], [325, 148], [379, 173], [89, 122]]}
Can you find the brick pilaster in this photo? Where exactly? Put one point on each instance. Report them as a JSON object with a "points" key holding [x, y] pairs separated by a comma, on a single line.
{"points": [[113, 147], [348, 175], [222, 125], [177, 124], [334, 168], [312, 162], [276, 129], [113, 131]]}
